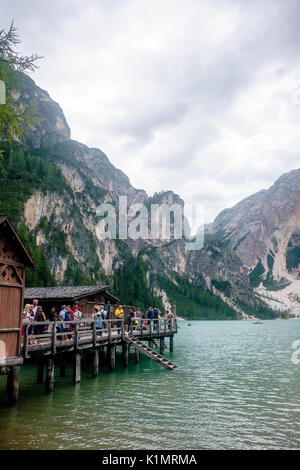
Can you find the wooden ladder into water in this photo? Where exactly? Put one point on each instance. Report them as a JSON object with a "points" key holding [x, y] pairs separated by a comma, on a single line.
{"points": [[149, 352]]}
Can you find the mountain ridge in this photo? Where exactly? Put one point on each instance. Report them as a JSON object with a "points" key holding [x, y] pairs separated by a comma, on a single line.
{"points": [[58, 214]]}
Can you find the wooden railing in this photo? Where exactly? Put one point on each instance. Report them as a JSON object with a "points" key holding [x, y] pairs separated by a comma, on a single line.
{"points": [[93, 332]]}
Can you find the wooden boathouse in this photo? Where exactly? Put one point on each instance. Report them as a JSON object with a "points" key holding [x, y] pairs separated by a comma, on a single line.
{"points": [[88, 297], [14, 259]]}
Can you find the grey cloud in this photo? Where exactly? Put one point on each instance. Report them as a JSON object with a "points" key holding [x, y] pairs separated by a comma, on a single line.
{"points": [[177, 118], [142, 126]]}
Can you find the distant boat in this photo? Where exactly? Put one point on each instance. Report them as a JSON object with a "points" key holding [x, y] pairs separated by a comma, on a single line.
{"points": [[257, 322]]}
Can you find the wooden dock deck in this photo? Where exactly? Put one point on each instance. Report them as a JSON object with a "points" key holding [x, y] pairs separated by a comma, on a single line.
{"points": [[85, 334], [75, 338]]}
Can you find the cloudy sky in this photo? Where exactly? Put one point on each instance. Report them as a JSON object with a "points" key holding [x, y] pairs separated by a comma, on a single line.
{"points": [[198, 96]]}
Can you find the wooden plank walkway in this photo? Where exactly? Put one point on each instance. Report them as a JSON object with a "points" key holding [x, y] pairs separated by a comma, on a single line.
{"points": [[86, 334], [149, 352], [87, 341]]}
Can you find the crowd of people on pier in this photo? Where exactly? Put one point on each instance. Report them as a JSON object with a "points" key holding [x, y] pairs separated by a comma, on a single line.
{"points": [[67, 315]]}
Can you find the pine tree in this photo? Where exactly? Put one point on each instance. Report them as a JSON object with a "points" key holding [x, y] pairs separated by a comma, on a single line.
{"points": [[14, 121]]}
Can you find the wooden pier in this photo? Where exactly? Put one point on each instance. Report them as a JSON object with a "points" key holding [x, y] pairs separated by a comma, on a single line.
{"points": [[50, 349], [62, 339]]}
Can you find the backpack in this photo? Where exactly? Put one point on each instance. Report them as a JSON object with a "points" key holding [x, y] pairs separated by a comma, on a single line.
{"points": [[68, 316]]}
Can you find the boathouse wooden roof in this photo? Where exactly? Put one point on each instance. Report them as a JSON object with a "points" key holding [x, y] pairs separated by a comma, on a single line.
{"points": [[7, 226], [70, 293]]}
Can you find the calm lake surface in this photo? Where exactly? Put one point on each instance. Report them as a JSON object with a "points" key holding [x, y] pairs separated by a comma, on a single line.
{"points": [[237, 388]]}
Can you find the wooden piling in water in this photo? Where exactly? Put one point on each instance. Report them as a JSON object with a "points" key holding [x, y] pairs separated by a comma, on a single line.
{"points": [[125, 353], [40, 371], [111, 354], [151, 345], [83, 353], [95, 368], [77, 368], [161, 345], [101, 356], [136, 356], [13, 379], [62, 365], [171, 343], [49, 385]]}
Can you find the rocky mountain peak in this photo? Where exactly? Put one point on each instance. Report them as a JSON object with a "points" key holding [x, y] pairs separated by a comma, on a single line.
{"points": [[50, 126], [263, 230]]}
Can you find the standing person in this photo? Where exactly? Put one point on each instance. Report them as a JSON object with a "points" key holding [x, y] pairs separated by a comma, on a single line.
{"points": [[51, 317], [68, 317], [35, 306], [130, 319], [156, 318], [166, 318], [119, 313], [136, 319], [39, 317], [152, 317], [149, 315], [52, 314], [77, 306], [139, 316], [138, 313], [27, 309], [103, 313], [170, 317], [26, 318], [98, 319], [77, 314], [31, 328], [61, 318]]}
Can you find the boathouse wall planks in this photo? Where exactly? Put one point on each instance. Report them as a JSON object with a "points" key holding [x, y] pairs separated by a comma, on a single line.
{"points": [[14, 258]]}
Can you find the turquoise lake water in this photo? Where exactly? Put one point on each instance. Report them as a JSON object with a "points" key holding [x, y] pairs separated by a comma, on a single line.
{"points": [[236, 388]]}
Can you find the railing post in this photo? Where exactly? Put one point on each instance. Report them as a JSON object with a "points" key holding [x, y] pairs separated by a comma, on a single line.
{"points": [[141, 327], [122, 330], [53, 345], [150, 328], [165, 327], [109, 330], [94, 334], [76, 337], [25, 341], [131, 326]]}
